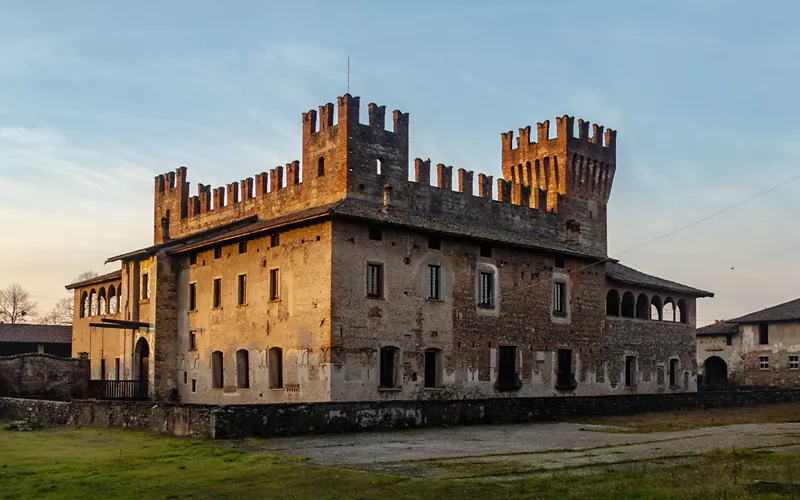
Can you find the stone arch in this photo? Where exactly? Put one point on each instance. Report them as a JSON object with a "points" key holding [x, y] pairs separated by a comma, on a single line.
{"points": [[715, 371], [628, 305], [102, 302], [668, 311], [642, 306], [612, 303], [681, 312], [217, 370], [113, 300], [656, 308], [84, 305], [242, 369]]}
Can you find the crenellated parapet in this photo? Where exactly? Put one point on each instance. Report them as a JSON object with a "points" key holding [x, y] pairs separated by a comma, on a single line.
{"points": [[580, 166]]}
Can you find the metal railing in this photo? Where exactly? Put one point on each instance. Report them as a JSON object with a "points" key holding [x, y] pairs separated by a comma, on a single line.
{"points": [[125, 389]]}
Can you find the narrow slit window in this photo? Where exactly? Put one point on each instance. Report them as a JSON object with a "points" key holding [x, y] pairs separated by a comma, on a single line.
{"points": [[321, 166], [275, 360], [434, 282], [274, 284], [673, 372], [559, 298], [217, 299], [145, 286], [242, 290], [375, 281], [192, 297], [379, 166], [630, 371], [486, 290]]}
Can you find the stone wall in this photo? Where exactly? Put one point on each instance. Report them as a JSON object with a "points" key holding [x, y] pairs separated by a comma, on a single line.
{"points": [[43, 376], [237, 421]]}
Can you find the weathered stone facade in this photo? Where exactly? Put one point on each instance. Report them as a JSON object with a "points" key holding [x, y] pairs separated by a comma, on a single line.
{"points": [[759, 349], [38, 375], [338, 279]]}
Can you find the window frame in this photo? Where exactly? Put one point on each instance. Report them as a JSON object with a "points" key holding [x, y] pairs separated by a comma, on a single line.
{"points": [[560, 298], [191, 305], [486, 289], [763, 363], [378, 280], [434, 282], [216, 293], [144, 293], [794, 359], [275, 284], [241, 289]]}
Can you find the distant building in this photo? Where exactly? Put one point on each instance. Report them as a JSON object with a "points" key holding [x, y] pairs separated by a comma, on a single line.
{"points": [[339, 279], [759, 349], [24, 338]]}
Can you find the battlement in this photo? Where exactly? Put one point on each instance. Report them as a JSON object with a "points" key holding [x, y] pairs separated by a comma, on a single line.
{"points": [[565, 131], [347, 113]]}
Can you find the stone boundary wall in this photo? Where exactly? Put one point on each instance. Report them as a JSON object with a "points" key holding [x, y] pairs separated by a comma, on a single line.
{"points": [[44, 376], [237, 421]]}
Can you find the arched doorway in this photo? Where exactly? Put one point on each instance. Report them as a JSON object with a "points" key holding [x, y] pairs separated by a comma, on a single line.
{"points": [[716, 371], [142, 360]]}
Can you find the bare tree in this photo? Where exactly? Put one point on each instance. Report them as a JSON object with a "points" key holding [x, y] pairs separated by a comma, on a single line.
{"points": [[16, 305], [86, 275], [61, 314]]}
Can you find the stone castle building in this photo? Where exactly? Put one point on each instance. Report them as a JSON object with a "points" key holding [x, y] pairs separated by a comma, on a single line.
{"points": [[758, 349], [336, 278]]}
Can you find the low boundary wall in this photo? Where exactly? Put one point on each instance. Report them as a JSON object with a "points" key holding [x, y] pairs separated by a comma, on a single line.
{"points": [[44, 376], [236, 421]]}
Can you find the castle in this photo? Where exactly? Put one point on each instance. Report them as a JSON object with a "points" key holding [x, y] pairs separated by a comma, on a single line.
{"points": [[336, 278]]}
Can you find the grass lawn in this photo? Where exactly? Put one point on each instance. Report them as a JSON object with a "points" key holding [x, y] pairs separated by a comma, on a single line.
{"points": [[93, 463], [691, 419]]}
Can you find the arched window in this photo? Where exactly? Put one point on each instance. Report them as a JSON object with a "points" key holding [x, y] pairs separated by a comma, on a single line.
{"points": [[102, 303], [433, 367], [388, 367], [321, 166], [242, 369], [681, 313], [628, 305], [668, 312], [275, 362], [217, 373], [93, 303], [612, 303], [655, 308], [528, 174], [112, 300], [84, 310], [642, 307]]}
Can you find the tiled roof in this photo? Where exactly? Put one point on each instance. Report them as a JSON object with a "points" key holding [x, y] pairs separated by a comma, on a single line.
{"points": [[787, 311], [46, 334], [623, 274], [112, 276], [719, 328]]}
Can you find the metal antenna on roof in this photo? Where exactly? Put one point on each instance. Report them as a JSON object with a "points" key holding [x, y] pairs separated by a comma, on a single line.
{"points": [[348, 74]]}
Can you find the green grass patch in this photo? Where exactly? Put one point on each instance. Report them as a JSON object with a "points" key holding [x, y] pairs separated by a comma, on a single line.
{"points": [[92, 463]]}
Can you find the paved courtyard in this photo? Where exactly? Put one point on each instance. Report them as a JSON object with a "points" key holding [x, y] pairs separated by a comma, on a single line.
{"points": [[534, 447]]}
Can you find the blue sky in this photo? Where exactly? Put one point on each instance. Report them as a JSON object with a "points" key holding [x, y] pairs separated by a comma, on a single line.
{"points": [[96, 98]]}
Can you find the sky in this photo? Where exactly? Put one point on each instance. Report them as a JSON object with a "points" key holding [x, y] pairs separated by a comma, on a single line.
{"points": [[96, 98]]}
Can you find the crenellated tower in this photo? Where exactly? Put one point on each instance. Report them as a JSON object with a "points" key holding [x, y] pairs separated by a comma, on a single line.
{"points": [[566, 174]]}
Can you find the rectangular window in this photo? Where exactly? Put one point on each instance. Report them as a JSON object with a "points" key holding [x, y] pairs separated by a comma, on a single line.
{"points": [[192, 297], [630, 371], [564, 377], [434, 290], [434, 242], [241, 298], [274, 284], [194, 385], [217, 292], [242, 247], [559, 298], [192, 341], [275, 240], [218, 253], [375, 233], [185, 377], [145, 286], [729, 339], [507, 367], [486, 251], [560, 262], [116, 369], [375, 281], [763, 333], [193, 259], [387, 367], [763, 362], [794, 362], [102, 369], [673, 372], [486, 290]]}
